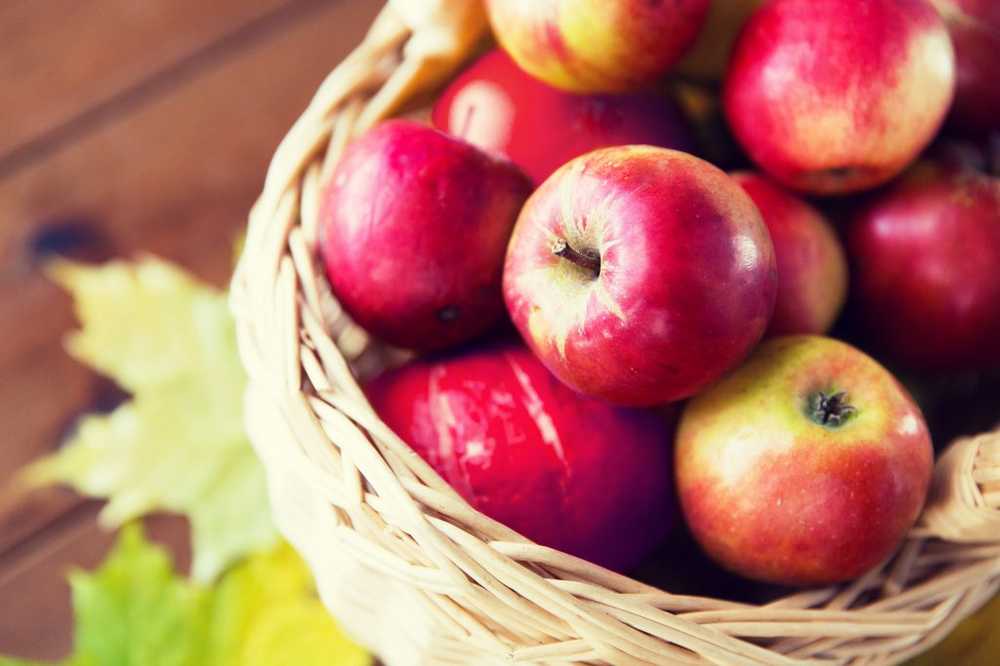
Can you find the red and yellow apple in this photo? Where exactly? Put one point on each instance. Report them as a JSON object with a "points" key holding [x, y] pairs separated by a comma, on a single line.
{"points": [[591, 46], [806, 466], [926, 269], [975, 31], [495, 105], [413, 229], [812, 268], [639, 275], [831, 96], [564, 470]]}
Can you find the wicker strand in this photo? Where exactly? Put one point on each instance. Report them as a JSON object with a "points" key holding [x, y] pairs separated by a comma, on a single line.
{"points": [[418, 575]]}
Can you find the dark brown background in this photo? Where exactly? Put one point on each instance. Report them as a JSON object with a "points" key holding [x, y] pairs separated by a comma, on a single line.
{"points": [[127, 126]]}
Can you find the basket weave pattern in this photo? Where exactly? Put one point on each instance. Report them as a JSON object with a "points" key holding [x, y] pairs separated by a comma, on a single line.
{"points": [[420, 577]]}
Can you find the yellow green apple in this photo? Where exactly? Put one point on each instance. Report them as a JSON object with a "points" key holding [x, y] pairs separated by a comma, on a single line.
{"points": [[593, 46], [806, 466]]}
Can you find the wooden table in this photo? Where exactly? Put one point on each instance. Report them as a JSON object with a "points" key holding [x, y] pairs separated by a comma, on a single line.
{"points": [[128, 126]]}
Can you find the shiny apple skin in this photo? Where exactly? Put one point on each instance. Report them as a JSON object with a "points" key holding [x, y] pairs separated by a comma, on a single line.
{"points": [[495, 105], [974, 26], [413, 229], [925, 258], [837, 96], [594, 46], [686, 285], [564, 470], [774, 496], [812, 266]]}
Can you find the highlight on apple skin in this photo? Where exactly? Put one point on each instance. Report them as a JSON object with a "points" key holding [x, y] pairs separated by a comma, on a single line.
{"points": [[926, 269], [812, 266], [414, 225], [495, 105], [562, 469], [806, 466], [592, 46], [639, 275], [974, 26], [837, 96]]}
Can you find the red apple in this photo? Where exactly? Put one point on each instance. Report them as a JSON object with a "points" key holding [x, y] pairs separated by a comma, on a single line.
{"points": [[833, 96], [926, 261], [806, 466], [498, 107], [639, 275], [563, 470], [414, 225], [975, 31], [591, 46], [812, 268]]}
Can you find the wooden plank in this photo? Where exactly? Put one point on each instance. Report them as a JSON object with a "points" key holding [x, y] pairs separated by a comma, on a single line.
{"points": [[176, 177], [34, 595], [64, 58]]}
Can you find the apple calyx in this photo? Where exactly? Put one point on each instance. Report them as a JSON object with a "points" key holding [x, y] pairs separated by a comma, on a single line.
{"points": [[585, 260], [830, 410]]}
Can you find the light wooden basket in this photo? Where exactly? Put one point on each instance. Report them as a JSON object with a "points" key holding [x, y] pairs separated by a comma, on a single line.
{"points": [[416, 574]]}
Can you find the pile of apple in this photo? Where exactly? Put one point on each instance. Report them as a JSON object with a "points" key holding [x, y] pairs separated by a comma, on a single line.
{"points": [[559, 191]]}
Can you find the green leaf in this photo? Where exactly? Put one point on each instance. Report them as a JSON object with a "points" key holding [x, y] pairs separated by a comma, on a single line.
{"points": [[136, 611], [179, 444]]}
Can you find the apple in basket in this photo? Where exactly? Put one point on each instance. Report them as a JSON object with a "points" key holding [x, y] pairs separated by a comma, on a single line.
{"points": [[639, 275], [497, 106], [974, 26], [834, 96], [812, 268], [596, 45], [806, 466], [413, 229], [564, 470], [926, 260]]}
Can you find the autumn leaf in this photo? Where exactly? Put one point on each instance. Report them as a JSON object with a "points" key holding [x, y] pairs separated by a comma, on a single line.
{"points": [[136, 611], [178, 444]]}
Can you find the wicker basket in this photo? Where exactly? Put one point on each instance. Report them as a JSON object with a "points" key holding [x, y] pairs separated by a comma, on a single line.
{"points": [[421, 578]]}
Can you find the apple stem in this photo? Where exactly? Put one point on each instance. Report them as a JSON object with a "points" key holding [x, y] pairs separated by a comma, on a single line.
{"points": [[584, 260], [830, 410]]}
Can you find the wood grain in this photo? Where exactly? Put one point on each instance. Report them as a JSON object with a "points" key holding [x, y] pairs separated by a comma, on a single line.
{"points": [[64, 58], [175, 178]]}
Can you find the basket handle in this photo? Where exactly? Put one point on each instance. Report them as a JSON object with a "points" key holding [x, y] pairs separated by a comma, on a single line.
{"points": [[964, 502]]}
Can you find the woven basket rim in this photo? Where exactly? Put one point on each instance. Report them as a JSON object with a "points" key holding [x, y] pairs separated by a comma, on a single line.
{"points": [[489, 594]]}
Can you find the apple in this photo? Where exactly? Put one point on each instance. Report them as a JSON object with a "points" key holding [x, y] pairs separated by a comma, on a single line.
{"points": [[639, 275], [497, 106], [566, 471], [806, 466], [830, 96], [592, 46], [925, 258], [975, 31], [413, 228], [812, 268]]}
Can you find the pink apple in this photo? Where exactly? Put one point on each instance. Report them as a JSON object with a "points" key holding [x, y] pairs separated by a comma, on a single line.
{"points": [[812, 268], [564, 470], [833, 96], [414, 225], [498, 107], [806, 466], [926, 260], [975, 31], [639, 275], [591, 46]]}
